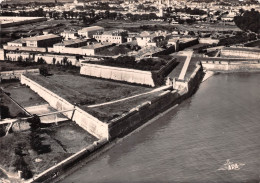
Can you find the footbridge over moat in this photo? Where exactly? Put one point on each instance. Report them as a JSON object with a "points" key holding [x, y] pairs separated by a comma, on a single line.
{"points": [[11, 122]]}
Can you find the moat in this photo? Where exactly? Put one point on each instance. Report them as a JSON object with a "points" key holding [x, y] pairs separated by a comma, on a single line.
{"points": [[192, 142]]}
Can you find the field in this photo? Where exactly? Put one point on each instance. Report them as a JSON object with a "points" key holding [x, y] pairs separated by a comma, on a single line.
{"points": [[130, 25], [14, 110], [63, 141], [84, 90], [55, 26], [10, 66], [23, 95], [53, 69], [208, 27]]}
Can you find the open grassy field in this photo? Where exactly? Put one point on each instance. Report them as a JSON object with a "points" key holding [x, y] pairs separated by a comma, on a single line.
{"points": [[10, 66], [128, 25], [55, 26], [22, 94], [14, 110], [208, 27]]}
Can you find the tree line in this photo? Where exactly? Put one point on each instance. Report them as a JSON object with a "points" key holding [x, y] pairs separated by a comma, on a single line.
{"points": [[249, 21]]}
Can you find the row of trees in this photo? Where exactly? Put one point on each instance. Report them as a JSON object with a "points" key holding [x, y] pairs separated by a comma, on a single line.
{"points": [[249, 21], [190, 11]]}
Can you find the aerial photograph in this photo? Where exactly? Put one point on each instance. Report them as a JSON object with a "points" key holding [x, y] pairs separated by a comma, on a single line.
{"points": [[129, 91]]}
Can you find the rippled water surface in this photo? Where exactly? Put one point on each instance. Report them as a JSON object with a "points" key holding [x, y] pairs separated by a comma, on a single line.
{"points": [[191, 142]]}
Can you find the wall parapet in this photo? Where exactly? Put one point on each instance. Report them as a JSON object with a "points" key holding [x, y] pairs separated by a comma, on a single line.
{"points": [[116, 73], [16, 74], [231, 65], [54, 171]]}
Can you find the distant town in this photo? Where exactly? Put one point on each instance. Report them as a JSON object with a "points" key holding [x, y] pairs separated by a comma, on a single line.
{"points": [[77, 76]]}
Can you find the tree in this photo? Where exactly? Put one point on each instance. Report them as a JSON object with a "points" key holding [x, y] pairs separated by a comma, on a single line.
{"points": [[53, 61], [20, 59], [249, 21], [241, 11], [4, 112], [19, 162], [65, 61], [35, 122]]}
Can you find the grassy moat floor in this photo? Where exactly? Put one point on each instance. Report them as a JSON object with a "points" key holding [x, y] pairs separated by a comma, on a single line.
{"points": [[58, 141]]}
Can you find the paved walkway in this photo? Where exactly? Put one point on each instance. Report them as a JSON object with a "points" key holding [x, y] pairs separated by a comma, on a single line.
{"points": [[186, 65], [120, 100]]}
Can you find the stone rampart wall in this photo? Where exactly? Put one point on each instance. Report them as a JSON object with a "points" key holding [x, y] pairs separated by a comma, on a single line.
{"points": [[17, 73], [231, 66], [24, 48], [116, 73], [48, 58], [240, 54], [22, 22], [140, 114], [208, 41], [2, 54], [82, 118], [63, 166], [14, 56], [129, 75]]}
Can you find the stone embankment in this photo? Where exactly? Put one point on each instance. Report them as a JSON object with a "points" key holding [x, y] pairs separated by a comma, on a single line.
{"points": [[6, 75]]}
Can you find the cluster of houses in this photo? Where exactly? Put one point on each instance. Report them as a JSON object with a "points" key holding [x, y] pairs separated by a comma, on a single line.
{"points": [[88, 41]]}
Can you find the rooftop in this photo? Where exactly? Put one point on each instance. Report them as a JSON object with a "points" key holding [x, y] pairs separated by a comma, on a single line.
{"points": [[42, 37], [96, 45], [118, 31], [22, 40], [71, 42], [92, 28]]}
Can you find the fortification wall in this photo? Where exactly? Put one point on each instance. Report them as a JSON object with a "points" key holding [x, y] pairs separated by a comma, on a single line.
{"points": [[82, 118], [208, 41], [16, 74], [49, 58], [140, 114], [129, 75], [20, 21], [231, 66], [24, 48], [124, 124], [14, 56], [2, 54], [66, 164], [119, 74], [240, 54]]}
